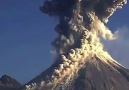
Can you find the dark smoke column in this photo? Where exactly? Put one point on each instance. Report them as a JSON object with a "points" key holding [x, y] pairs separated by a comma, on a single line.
{"points": [[82, 63]]}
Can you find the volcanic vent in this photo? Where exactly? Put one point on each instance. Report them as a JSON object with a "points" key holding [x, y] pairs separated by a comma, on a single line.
{"points": [[82, 63]]}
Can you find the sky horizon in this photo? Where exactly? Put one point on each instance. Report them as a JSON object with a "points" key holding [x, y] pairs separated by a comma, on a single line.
{"points": [[26, 34]]}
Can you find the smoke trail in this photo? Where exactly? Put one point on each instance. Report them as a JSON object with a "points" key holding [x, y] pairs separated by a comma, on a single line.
{"points": [[82, 23]]}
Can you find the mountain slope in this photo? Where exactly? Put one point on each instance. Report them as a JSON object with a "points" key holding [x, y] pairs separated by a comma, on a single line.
{"points": [[8, 83], [95, 75]]}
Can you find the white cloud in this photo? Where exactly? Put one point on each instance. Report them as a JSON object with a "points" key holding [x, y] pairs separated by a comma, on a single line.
{"points": [[119, 48]]}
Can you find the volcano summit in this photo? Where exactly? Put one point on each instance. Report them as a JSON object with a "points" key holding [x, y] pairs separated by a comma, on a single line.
{"points": [[81, 62]]}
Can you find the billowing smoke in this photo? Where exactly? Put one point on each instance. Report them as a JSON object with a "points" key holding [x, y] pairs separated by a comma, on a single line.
{"points": [[81, 25]]}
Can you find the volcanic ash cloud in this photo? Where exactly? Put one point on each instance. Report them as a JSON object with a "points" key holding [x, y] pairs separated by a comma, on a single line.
{"points": [[81, 25]]}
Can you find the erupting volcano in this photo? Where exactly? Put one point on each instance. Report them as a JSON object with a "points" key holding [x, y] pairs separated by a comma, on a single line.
{"points": [[81, 62]]}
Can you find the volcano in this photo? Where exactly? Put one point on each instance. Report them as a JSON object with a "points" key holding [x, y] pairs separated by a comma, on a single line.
{"points": [[81, 62], [95, 75]]}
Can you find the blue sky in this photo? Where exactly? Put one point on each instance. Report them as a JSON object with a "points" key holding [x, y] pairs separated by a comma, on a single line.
{"points": [[26, 34]]}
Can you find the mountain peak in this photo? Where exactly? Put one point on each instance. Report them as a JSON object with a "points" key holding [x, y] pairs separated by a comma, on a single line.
{"points": [[8, 83], [5, 78]]}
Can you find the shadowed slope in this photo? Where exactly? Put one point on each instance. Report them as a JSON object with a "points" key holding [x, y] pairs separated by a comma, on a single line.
{"points": [[97, 75], [8, 83]]}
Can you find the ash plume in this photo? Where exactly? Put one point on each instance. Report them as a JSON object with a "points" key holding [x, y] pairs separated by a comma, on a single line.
{"points": [[81, 25]]}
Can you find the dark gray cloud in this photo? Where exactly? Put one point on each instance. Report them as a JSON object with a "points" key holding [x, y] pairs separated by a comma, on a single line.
{"points": [[68, 12]]}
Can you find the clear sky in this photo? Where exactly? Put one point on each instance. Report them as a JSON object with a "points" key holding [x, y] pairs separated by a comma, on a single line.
{"points": [[26, 34]]}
